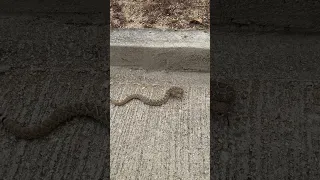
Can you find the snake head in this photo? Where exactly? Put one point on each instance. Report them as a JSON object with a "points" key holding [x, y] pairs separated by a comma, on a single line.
{"points": [[176, 92]]}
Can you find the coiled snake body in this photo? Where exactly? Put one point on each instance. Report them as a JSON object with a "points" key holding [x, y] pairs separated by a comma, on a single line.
{"points": [[174, 92], [58, 117]]}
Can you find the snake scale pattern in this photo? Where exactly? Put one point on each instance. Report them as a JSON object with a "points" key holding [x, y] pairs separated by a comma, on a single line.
{"points": [[222, 96], [174, 92], [58, 117]]}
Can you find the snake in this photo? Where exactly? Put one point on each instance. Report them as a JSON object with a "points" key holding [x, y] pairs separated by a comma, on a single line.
{"points": [[222, 95], [173, 92], [55, 119]]}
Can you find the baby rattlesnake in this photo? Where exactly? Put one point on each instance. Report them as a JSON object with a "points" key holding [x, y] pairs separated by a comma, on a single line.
{"points": [[174, 92], [58, 117]]}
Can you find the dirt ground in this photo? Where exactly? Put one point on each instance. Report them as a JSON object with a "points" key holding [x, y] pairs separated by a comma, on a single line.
{"points": [[175, 14]]}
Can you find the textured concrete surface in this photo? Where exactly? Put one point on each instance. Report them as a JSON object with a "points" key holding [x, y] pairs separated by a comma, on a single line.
{"points": [[81, 6], [273, 132], [45, 62], [167, 142], [274, 129], [80, 12], [265, 56], [41, 42], [160, 49], [300, 15], [76, 150]]}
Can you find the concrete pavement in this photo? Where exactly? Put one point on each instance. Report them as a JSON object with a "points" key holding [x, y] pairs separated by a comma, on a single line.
{"points": [[167, 142]]}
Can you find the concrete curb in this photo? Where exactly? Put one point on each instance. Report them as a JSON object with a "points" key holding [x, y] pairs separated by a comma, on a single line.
{"points": [[161, 49]]}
